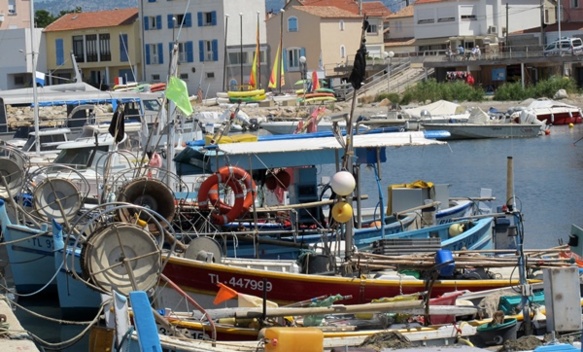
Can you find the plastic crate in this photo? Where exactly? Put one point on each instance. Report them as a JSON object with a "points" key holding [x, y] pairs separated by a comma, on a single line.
{"points": [[509, 304]]}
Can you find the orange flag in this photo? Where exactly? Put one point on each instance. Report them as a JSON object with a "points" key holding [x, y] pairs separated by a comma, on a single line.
{"points": [[225, 293], [278, 65]]}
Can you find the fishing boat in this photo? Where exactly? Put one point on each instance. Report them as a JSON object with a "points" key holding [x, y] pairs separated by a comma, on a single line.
{"points": [[481, 126]]}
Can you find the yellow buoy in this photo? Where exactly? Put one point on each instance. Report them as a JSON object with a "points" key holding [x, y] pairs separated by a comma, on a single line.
{"points": [[571, 125], [342, 212]]}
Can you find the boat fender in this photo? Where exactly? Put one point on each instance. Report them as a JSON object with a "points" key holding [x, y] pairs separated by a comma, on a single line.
{"points": [[456, 229]]}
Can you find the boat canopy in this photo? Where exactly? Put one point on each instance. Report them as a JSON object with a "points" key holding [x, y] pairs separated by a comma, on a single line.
{"points": [[290, 151]]}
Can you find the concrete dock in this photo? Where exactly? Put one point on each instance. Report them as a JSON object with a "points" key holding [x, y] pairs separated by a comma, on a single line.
{"points": [[13, 337]]}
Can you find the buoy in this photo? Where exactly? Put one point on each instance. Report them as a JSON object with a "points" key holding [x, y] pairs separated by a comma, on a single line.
{"points": [[547, 132], [343, 183], [456, 229], [571, 125], [342, 212]]}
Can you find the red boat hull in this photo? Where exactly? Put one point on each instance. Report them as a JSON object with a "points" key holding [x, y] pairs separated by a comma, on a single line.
{"points": [[564, 118], [200, 278]]}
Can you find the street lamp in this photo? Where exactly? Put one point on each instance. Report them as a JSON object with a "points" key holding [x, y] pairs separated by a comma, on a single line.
{"points": [[303, 72], [388, 56]]}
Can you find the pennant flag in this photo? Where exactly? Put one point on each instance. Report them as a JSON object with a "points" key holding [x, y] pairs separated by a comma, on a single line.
{"points": [[177, 91], [278, 65], [39, 79], [315, 81], [253, 80], [225, 293]]}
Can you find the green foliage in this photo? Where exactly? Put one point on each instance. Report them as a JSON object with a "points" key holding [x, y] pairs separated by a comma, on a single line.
{"points": [[546, 88], [431, 90], [43, 18]]}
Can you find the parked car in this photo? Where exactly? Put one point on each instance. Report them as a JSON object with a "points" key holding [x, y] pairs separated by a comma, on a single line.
{"points": [[564, 46]]}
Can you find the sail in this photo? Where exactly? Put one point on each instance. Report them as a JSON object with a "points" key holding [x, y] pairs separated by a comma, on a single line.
{"points": [[254, 79], [278, 65]]}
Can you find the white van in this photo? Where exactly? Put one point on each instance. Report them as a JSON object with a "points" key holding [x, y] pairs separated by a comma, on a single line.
{"points": [[564, 46]]}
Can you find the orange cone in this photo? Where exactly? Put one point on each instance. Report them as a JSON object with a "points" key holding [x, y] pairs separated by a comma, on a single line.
{"points": [[225, 293]]}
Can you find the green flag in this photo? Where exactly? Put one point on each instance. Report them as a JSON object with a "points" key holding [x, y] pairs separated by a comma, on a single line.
{"points": [[178, 93]]}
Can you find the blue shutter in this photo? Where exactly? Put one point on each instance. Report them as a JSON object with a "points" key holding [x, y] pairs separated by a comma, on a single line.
{"points": [[201, 50], [160, 53], [170, 22], [188, 20], [147, 54], [214, 18], [189, 47], [123, 48], [215, 44], [151, 0], [146, 23], [159, 22], [199, 15], [60, 52]]}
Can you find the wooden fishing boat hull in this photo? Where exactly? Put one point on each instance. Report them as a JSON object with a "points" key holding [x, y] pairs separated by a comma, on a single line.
{"points": [[200, 279]]}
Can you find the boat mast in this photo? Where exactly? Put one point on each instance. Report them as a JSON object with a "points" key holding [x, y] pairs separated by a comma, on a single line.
{"points": [[356, 78], [34, 88]]}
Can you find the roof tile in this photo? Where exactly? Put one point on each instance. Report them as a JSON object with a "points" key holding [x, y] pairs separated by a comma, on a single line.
{"points": [[100, 19]]}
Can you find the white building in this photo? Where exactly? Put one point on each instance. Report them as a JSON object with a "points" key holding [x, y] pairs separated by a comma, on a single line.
{"points": [[469, 19], [217, 41]]}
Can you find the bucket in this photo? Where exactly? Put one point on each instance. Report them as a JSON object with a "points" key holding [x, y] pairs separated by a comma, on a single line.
{"points": [[444, 262], [490, 335]]}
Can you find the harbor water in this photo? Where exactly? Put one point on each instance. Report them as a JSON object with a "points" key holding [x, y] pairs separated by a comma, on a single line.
{"points": [[548, 176]]}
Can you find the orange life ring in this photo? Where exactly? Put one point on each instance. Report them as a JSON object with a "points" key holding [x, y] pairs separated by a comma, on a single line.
{"points": [[233, 177]]}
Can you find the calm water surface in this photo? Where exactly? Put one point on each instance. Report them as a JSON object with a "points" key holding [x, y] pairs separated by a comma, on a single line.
{"points": [[548, 176]]}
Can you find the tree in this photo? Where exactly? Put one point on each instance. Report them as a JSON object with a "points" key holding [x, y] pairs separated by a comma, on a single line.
{"points": [[43, 18]]}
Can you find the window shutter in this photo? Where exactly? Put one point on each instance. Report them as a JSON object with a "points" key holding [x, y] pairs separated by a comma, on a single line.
{"points": [[123, 47], [201, 50], [146, 23], [199, 15], [160, 53], [159, 22], [147, 54], [188, 20], [189, 46], [215, 50], [170, 22], [60, 52], [214, 18]]}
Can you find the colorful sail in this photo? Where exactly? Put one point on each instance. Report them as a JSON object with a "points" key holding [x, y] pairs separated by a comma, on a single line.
{"points": [[254, 79], [315, 81], [278, 65]]}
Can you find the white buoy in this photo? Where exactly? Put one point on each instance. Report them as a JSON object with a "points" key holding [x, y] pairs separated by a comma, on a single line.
{"points": [[343, 183]]}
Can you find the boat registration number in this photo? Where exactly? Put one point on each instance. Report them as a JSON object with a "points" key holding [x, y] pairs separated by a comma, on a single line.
{"points": [[250, 284]]}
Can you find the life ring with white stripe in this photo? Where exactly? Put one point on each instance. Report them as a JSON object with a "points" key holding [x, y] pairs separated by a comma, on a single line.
{"points": [[235, 178]]}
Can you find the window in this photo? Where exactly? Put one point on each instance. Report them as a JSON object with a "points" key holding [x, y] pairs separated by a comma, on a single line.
{"points": [[341, 25], [574, 5], [372, 29], [104, 47], [12, 7], [210, 75], [208, 50], [207, 18], [235, 58], [91, 47], [426, 21], [78, 48], [156, 78], [19, 80], [152, 50], [469, 17], [151, 22], [292, 24], [446, 19], [184, 76], [342, 51], [293, 58]]}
